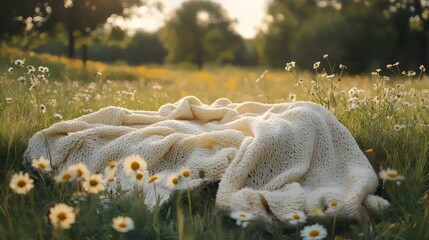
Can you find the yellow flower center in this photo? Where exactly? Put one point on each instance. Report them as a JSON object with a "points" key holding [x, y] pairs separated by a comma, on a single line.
{"points": [[93, 183], [135, 166], [66, 176], [122, 225], [62, 216], [22, 183], [369, 150], [152, 179], [175, 181], [242, 215], [79, 172], [41, 165], [296, 216], [139, 176], [186, 173], [392, 174], [112, 164], [333, 204], [111, 179], [314, 233]]}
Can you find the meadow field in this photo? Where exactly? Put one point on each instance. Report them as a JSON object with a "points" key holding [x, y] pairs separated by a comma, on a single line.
{"points": [[386, 110]]}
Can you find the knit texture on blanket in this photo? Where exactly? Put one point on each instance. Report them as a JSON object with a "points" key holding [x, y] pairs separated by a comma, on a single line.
{"points": [[271, 159]]}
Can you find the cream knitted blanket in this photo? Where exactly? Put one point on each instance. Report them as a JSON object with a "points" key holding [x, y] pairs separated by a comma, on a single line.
{"points": [[271, 159]]}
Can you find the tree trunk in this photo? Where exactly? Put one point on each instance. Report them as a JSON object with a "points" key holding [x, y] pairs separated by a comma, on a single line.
{"points": [[71, 42], [84, 54]]}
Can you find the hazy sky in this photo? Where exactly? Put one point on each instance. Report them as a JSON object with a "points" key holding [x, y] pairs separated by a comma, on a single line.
{"points": [[249, 14]]}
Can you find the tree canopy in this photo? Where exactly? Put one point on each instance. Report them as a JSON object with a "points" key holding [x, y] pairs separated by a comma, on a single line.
{"points": [[364, 34], [200, 32]]}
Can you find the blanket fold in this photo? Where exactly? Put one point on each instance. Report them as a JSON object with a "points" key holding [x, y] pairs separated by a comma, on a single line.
{"points": [[270, 159]]}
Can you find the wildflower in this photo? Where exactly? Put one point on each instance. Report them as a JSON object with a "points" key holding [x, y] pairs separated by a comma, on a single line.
{"points": [[185, 172], [410, 73], [21, 183], [93, 184], [422, 68], [325, 56], [134, 163], [41, 164], [292, 97], [157, 86], [122, 224], [19, 62], [153, 179], [68, 3], [290, 66], [315, 231], [111, 164], [333, 204], [329, 77], [316, 65], [296, 217], [139, 177], [65, 176], [21, 79], [395, 64], [8, 100], [370, 150], [262, 76], [378, 70], [58, 116], [390, 175], [172, 181], [242, 217], [42, 108], [110, 171], [389, 66], [317, 212], [62, 216], [342, 66], [43, 69], [398, 127], [30, 69], [80, 170]]}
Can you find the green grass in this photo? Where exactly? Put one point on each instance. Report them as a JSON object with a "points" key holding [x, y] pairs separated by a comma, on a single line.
{"points": [[73, 91]]}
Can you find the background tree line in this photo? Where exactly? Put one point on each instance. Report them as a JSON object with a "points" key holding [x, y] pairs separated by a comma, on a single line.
{"points": [[363, 34]]}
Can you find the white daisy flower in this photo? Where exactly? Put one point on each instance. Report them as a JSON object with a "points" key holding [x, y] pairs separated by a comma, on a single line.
{"points": [[80, 170], [296, 217], [390, 175], [172, 181], [62, 216], [315, 231], [316, 65], [242, 217], [93, 184], [134, 163], [65, 176], [41, 164], [21, 183], [122, 224]]}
